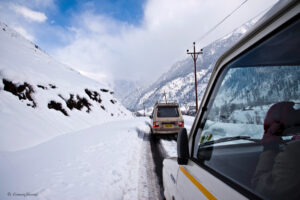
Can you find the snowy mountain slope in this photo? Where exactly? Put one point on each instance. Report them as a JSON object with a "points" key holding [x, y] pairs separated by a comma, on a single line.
{"points": [[122, 88], [178, 82], [40, 98]]}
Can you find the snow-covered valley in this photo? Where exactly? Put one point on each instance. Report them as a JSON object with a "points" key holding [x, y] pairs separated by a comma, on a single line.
{"points": [[65, 136]]}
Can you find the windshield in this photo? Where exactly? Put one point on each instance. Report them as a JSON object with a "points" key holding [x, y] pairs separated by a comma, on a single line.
{"points": [[167, 112]]}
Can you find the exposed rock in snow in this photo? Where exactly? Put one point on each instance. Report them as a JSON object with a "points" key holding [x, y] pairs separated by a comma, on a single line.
{"points": [[41, 98]]}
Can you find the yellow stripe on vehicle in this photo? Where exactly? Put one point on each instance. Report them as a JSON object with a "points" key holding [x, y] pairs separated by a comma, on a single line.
{"points": [[197, 184]]}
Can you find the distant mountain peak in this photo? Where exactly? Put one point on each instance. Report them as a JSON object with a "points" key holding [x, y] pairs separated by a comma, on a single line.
{"points": [[178, 82]]}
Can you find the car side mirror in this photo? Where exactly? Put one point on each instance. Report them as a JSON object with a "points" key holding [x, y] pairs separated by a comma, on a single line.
{"points": [[150, 116], [182, 147]]}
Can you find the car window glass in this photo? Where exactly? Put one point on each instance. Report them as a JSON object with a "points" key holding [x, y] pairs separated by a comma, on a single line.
{"points": [[167, 112], [245, 96], [251, 131]]}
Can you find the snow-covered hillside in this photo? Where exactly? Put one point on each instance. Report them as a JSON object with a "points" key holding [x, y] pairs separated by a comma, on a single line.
{"points": [[41, 98], [178, 82]]}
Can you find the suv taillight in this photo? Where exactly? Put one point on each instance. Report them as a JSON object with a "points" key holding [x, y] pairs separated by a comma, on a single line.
{"points": [[155, 124], [181, 124]]}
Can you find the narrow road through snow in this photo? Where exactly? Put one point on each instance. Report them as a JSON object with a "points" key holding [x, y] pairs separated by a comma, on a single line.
{"points": [[161, 148]]}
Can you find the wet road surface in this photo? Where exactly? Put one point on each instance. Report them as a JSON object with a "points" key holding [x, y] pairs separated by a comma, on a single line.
{"points": [[158, 154]]}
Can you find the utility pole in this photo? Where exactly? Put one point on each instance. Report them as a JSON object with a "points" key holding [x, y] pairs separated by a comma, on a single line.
{"points": [[195, 57]]}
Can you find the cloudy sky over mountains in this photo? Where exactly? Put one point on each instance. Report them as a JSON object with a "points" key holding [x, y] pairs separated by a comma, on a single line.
{"points": [[124, 39]]}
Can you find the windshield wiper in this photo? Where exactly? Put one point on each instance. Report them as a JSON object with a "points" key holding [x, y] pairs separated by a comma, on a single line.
{"points": [[227, 139]]}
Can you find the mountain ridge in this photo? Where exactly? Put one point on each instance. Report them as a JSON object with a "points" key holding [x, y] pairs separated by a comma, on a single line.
{"points": [[178, 82]]}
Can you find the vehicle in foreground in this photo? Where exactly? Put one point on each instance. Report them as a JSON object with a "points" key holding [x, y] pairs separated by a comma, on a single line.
{"points": [[245, 140], [166, 119]]}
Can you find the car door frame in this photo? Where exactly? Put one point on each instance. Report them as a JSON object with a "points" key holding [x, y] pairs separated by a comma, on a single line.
{"points": [[272, 22]]}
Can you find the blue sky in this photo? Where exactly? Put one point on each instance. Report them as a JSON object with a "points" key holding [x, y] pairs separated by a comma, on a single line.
{"points": [[61, 13], [130, 11], [124, 39]]}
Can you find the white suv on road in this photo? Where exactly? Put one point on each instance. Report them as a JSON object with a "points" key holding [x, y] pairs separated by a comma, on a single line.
{"points": [[245, 140], [166, 119]]}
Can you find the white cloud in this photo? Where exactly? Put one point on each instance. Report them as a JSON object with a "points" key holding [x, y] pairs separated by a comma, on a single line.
{"points": [[29, 14], [24, 33], [123, 51]]}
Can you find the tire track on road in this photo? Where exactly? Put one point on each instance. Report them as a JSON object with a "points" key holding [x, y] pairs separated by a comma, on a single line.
{"points": [[149, 185]]}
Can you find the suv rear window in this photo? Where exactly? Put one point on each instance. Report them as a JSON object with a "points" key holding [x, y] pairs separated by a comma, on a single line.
{"points": [[167, 112]]}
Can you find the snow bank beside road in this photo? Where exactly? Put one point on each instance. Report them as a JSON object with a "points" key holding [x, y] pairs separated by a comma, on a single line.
{"points": [[170, 147], [188, 122], [101, 162]]}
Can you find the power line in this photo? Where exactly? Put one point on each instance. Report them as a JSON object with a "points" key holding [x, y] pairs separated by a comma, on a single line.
{"points": [[213, 28], [248, 20]]}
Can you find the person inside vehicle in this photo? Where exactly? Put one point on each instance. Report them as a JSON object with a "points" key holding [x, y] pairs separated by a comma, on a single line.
{"points": [[277, 174]]}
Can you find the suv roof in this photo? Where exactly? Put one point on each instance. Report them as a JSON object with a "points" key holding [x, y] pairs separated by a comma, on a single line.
{"points": [[168, 103]]}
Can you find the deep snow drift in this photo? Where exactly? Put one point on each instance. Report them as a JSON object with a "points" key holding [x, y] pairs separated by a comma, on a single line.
{"points": [[106, 161], [32, 82]]}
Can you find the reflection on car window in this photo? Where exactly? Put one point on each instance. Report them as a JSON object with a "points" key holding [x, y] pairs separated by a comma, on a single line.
{"points": [[167, 112], [255, 108], [251, 130], [245, 96], [243, 99]]}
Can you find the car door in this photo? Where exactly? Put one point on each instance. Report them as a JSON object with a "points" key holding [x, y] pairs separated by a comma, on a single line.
{"points": [[195, 182], [230, 155]]}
